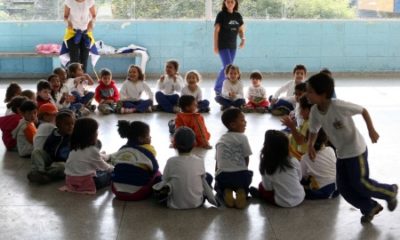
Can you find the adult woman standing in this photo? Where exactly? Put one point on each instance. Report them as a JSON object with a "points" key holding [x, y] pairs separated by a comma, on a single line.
{"points": [[228, 24], [80, 16]]}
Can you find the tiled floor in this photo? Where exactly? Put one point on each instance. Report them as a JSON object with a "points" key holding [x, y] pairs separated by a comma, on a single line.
{"points": [[42, 212]]}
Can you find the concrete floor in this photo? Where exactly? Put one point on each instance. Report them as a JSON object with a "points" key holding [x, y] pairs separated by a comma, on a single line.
{"points": [[29, 211]]}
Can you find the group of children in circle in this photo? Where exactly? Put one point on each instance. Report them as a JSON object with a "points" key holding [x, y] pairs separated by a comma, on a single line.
{"points": [[65, 144]]}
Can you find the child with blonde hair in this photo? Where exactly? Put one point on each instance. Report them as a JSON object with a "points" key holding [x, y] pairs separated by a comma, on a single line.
{"points": [[106, 94], [193, 78], [169, 85], [232, 89], [131, 93], [86, 169]]}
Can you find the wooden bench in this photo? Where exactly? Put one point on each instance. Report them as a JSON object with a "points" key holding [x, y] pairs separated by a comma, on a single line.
{"points": [[56, 60]]}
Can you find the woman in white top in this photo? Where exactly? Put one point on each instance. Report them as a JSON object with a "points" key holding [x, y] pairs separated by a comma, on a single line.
{"points": [[80, 16], [281, 174]]}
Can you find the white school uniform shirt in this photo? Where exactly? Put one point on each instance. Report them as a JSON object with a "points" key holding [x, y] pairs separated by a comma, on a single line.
{"points": [[258, 92], [231, 150], [43, 131], [183, 174], [24, 147], [197, 94], [228, 86], [133, 90], [323, 168], [84, 162], [79, 13], [169, 86], [288, 90], [288, 192], [80, 87], [339, 126]]}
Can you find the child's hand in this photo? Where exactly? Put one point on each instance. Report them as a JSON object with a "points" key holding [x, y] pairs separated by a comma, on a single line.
{"points": [[175, 77], [70, 99], [311, 152], [232, 94], [162, 78], [373, 135], [288, 122]]}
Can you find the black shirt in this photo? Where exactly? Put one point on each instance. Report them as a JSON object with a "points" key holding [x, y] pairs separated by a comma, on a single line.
{"points": [[230, 24]]}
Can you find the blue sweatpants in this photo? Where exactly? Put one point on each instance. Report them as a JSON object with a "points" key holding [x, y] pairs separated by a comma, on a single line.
{"points": [[233, 180], [140, 106], [167, 102], [85, 100], [227, 57], [203, 105], [352, 176], [230, 103]]}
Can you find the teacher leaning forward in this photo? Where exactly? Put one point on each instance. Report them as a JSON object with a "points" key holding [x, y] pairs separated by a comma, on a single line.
{"points": [[228, 24], [80, 16]]}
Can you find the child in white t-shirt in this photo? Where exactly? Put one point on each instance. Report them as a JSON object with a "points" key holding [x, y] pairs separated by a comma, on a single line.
{"points": [[193, 78], [281, 174], [232, 156], [256, 95], [319, 175], [184, 175]]}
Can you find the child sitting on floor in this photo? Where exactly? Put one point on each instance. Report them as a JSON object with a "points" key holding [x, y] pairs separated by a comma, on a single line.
{"points": [[136, 166], [12, 91], [43, 93], [193, 78], [86, 169], [256, 95], [106, 94], [232, 89], [184, 177], [9, 122], [232, 156]]}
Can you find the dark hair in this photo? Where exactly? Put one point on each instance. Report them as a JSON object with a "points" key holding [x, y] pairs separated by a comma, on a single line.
{"points": [[185, 101], [105, 72], [28, 93], [59, 70], [230, 115], [256, 75], [16, 103], [72, 67], [275, 153], [235, 9], [49, 78], [133, 131], [28, 106], [231, 67], [321, 140], [42, 85], [326, 71], [140, 72], [304, 103], [299, 67], [62, 115], [84, 134], [301, 87], [12, 91], [322, 84], [174, 63]]}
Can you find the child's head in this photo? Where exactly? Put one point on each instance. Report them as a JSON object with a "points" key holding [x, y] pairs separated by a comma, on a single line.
{"points": [[299, 73], [47, 112], [16, 103], [43, 89], [55, 83], [184, 139], [230, 5], [28, 111], [232, 73], [305, 107], [75, 70], [326, 71], [65, 121], [188, 104], [256, 78], [136, 132], [192, 77], [84, 134], [105, 76], [320, 87], [29, 94], [61, 73], [299, 90], [275, 153], [135, 73], [234, 120], [171, 67], [12, 90]]}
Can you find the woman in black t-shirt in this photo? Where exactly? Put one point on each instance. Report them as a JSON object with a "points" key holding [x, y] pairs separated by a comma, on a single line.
{"points": [[228, 24]]}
